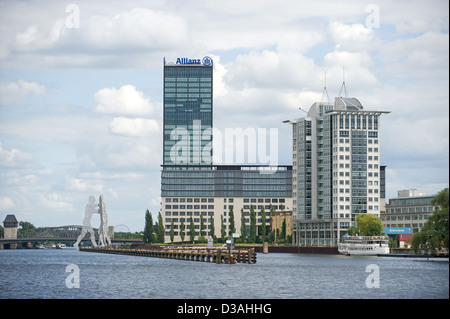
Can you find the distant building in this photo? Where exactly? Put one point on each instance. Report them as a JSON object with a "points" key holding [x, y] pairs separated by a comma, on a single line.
{"points": [[276, 221], [191, 185], [187, 112], [336, 172], [211, 192], [10, 225], [411, 208]]}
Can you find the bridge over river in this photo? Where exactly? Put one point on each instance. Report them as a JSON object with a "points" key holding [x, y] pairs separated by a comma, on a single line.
{"points": [[58, 234]]}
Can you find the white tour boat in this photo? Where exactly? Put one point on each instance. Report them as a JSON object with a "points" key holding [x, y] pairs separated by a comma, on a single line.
{"points": [[364, 245]]}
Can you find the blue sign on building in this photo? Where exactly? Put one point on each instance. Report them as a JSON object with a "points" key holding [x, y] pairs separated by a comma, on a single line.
{"points": [[398, 230], [206, 61]]}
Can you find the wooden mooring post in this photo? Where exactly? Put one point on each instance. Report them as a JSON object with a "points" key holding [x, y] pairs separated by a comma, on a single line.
{"points": [[218, 256]]}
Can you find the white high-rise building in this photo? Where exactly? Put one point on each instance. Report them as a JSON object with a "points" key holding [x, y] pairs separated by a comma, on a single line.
{"points": [[335, 171]]}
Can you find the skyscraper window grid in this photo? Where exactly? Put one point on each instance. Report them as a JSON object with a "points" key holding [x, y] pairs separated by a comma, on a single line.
{"points": [[336, 170]]}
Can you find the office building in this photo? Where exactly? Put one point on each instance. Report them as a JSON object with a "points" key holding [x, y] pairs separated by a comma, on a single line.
{"points": [[211, 194], [187, 114], [336, 170], [411, 208], [191, 185], [277, 220]]}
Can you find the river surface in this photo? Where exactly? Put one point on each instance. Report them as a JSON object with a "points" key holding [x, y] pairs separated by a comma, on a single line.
{"points": [[68, 274]]}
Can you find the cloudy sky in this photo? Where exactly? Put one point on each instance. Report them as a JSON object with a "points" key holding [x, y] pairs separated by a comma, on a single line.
{"points": [[81, 90]]}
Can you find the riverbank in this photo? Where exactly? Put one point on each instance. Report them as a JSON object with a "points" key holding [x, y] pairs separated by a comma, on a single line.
{"points": [[259, 248], [294, 249], [217, 255]]}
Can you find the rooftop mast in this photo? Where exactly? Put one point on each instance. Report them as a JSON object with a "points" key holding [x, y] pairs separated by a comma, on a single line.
{"points": [[325, 91], [343, 84]]}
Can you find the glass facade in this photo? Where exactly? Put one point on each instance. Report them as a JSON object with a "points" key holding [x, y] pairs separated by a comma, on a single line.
{"points": [[410, 212], [336, 170], [187, 117], [191, 185], [226, 181]]}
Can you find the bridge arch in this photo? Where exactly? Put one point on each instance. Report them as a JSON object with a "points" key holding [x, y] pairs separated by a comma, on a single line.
{"points": [[122, 225]]}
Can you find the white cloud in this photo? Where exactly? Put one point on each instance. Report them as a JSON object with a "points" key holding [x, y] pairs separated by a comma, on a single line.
{"points": [[15, 158], [80, 185], [57, 202], [133, 155], [133, 127], [354, 37], [422, 58], [108, 175], [138, 28], [413, 17], [6, 203], [123, 101], [33, 39], [41, 35], [14, 91], [272, 69], [425, 138], [269, 59]]}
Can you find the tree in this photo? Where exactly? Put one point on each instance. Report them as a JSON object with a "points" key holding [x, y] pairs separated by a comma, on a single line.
{"points": [[222, 228], [369, 225], [213, 229], [148, 229], [272, 210], [172, 232], [202, 226], [283, 230], [252, 237], [26, 225], [435, 232], [352, 231], [243, 228], [232, 228], [182, 230], [263, 225], [272, 236], [160, 231], [191, 230]]}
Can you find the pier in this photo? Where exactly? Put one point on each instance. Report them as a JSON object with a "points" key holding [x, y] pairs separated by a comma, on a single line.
{"points": [[214, 255]]}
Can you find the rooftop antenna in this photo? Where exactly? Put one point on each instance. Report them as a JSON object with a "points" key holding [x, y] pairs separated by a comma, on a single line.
{"points": [[300, 108], [325, 91], [343, 84]]}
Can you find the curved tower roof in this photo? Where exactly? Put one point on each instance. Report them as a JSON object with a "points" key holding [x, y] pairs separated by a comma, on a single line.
{"points": [[347, 103]]}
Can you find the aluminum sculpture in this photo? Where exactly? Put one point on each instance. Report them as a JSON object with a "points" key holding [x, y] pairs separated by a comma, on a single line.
{"points": [[91, 209], [103, 236]]}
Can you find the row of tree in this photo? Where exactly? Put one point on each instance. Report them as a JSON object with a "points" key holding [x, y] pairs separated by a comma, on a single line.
{"points": [[367, 225], [434, 235], [249, 233], [153, 233]]}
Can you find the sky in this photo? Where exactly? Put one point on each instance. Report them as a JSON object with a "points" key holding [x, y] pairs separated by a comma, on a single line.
{"points": [[81, 91]]}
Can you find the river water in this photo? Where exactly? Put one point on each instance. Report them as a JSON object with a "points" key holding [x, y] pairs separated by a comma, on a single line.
{"points": [[68, 274]]}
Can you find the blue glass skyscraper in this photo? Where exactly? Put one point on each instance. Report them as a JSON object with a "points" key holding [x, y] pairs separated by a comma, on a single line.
{"points": [[188, 118], [193, 189]]}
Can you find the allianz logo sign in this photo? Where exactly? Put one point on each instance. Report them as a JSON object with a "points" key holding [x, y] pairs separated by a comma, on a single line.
{"points": [[206, 61]]}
